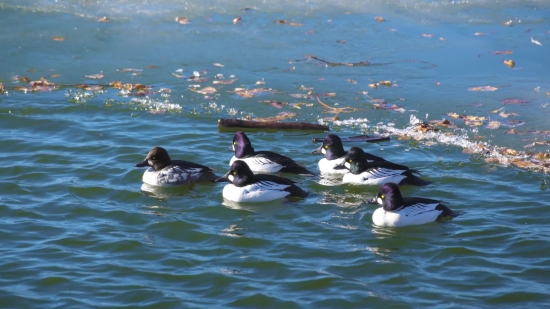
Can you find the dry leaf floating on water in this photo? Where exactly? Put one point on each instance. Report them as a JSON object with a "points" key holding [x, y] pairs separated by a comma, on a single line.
{"points": [[510, 63], [95, 76], [482, 88], [535, 42], [182, 20]]}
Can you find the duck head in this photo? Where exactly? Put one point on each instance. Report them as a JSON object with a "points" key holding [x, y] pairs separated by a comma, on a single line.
{"points": [[157, 158]]}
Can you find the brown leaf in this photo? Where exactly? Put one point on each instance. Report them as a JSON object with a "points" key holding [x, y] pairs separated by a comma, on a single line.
{"points": [[379, 19], [387, 107], [455, 115], [474, 118], [103, 19], [510, 63], [95, 76], [58, 38], [506, 115], [224, 82], [279, 117], [281, 22], [514, 101], [205, 90], [93, 88], [483, 88], [237, 20], [117, 85], [126, 70], [503, 52], [182, 20], [1, 87], [293, 24], [523, 164], [493, 125], [425, 127]]}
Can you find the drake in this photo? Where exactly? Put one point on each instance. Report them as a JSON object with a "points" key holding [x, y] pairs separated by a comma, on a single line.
{"points": [[263, 161], [247, 187], [334, 152], [397, 211], [164, 171], [363, 172]]}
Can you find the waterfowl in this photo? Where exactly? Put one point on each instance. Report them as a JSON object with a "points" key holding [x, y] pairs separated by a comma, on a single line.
{"points": [[364, 172], [263, 161], [163, 171], [333, 150], [246, 186], [397, 211]]}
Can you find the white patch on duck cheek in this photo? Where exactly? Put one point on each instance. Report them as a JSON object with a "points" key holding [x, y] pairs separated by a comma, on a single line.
{"points": [[379, 200], [231, 178], [323, 151], [233, 147], [150, 162], [347, 165]]}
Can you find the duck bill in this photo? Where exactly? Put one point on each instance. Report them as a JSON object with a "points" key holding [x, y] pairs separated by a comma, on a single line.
{"points": [[340, 166], [143, 163], [372, 200], [318, 150], [223, 178]]}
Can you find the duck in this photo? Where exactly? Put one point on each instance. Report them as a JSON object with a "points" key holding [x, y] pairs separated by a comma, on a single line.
{"points": [[333, 150], [265, 162], [363, 172], [397, 211], [247, 187], [163, 171]]}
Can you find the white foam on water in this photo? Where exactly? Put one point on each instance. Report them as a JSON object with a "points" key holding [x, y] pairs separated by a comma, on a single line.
{"points": [[457, 137], [156, 106]]}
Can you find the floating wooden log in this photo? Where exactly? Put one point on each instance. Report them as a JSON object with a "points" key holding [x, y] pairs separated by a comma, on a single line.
{"points": [[358, 138], [251, 124]]}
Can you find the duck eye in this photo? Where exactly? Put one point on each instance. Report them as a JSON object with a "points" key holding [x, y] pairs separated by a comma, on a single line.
{"points": [[350, 160], [326, 146], [234, 173], [153, 158], [382, 196], [234, 143]]}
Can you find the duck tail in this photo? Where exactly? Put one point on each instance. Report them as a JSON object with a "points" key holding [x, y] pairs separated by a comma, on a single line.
{"points": [[414, 180], [308, 173], [296, 193], [446, 211], [209, 177]]}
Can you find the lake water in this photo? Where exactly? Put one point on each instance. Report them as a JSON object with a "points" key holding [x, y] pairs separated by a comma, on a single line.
{"points": [[80, 231]]}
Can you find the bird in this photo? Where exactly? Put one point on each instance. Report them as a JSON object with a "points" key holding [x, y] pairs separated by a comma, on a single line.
{"points": [[361, 171], [163, 171], [334, 153], [265, 162], [397, 211], [246, 186]]}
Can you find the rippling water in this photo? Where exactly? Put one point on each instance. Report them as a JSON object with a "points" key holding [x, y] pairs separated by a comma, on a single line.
{"points": [[79, 229]]}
